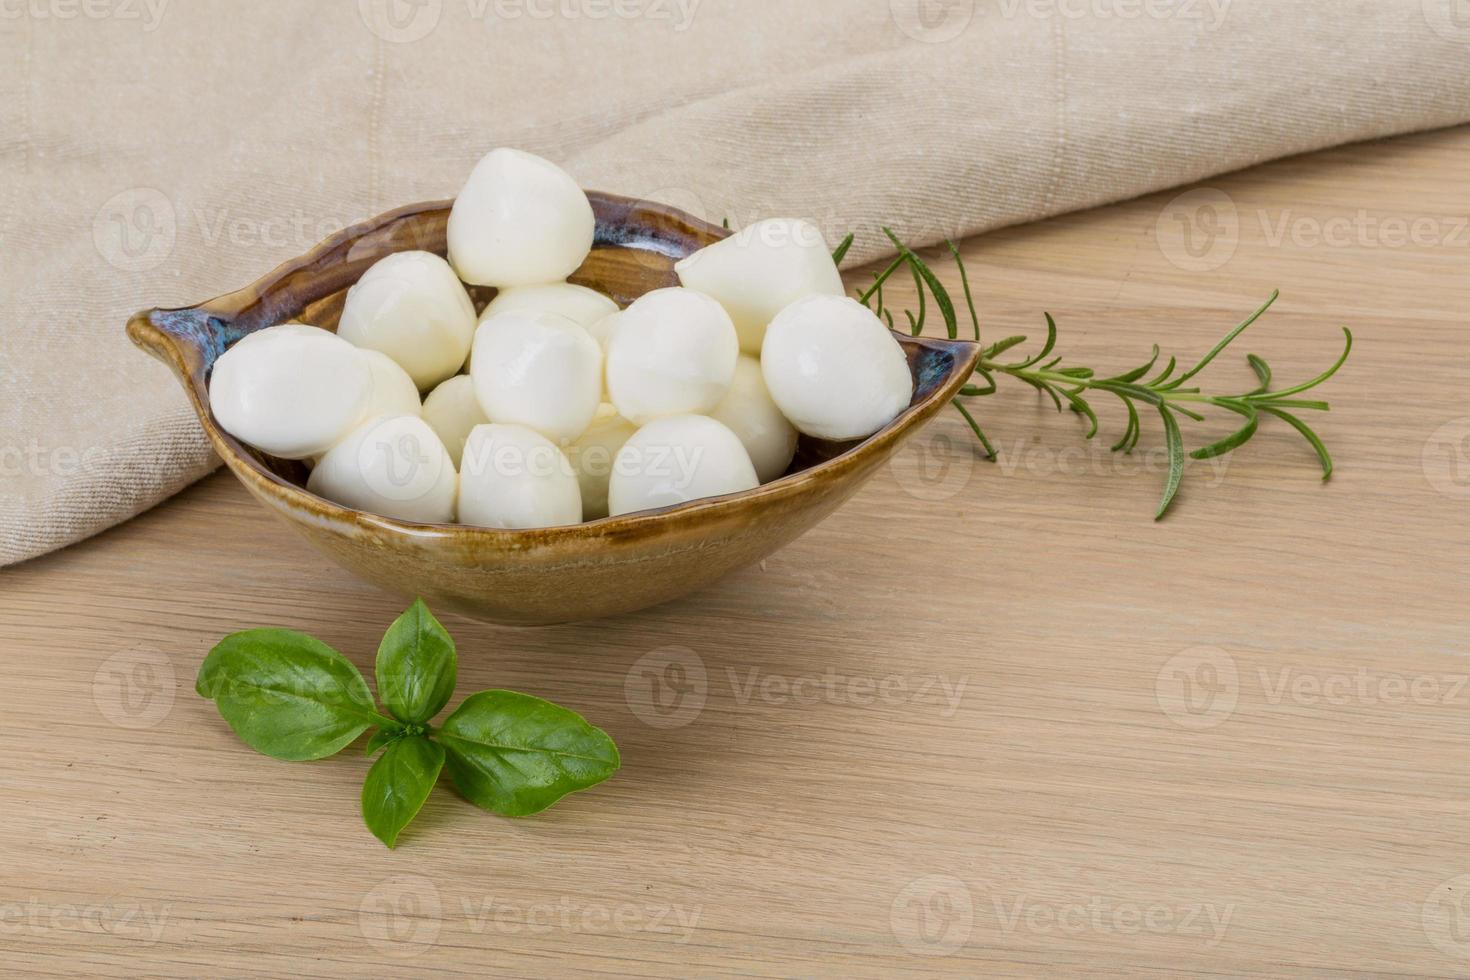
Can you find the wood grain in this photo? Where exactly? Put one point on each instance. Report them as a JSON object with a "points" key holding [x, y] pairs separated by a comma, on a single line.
{"points": [[946, 733]]}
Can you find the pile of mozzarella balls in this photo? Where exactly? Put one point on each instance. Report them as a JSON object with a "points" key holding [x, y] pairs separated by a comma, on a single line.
{"points": [[554, 406]]}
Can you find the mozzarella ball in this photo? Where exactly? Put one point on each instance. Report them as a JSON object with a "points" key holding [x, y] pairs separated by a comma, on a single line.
{"points": [[674, 460], [520, 220], [290, 390], [760, 271], [834, 369], [412, 307], [394, 392], [452, 411], [749, 412], [673, 352], [539, 370], [396, 467], [577, 303], [592, 456], [512, 477]]}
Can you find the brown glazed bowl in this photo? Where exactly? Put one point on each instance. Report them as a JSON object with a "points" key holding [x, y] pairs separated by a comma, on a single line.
{"points": [[547, 575]]}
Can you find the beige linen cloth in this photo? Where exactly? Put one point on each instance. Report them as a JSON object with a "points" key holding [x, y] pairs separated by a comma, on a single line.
{"points": [[159, 152]]}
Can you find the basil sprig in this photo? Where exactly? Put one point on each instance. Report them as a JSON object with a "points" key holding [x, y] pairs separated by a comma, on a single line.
{"points": [[292, 697]]}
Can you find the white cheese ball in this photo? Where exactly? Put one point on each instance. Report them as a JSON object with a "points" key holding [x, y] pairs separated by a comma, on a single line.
{"points": [[592, 456], [834, 369], [674, 460], [577, 303], [396, 467], [673, 352], [412, 307], [519, 221], [452, 411], [512, 477], [539, 370], [760, 271], [291, 390], [749, 412], [394, 392]]}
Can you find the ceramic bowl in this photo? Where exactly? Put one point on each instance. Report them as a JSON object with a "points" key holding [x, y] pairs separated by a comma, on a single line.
{"points": [[549, 575]]}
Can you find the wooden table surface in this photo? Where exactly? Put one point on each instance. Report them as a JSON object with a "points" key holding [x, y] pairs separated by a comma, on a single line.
{"points": [[986, 720]]}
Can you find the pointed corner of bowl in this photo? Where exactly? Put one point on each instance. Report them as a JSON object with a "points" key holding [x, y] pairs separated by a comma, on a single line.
{"points": [[940, 368], [187, 340]]}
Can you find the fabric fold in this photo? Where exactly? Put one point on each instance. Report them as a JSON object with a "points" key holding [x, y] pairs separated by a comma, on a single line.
{"points": [[138, 171]]}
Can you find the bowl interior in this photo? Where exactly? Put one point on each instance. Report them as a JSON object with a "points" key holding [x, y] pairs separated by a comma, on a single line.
{"points": [[634, 251]]}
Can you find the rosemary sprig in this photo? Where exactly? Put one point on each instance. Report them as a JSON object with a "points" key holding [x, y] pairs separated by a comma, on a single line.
{"points": [[1165, 393]]}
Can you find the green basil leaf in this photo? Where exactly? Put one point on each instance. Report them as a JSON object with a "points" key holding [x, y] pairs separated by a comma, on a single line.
{"points": [[416, 666], [380, 739], [516, 755], [286, 694], [397, 785]]}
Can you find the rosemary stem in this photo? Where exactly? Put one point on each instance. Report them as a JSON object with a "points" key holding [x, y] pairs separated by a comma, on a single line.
{"points": [[880, 279], [1095, 384]]}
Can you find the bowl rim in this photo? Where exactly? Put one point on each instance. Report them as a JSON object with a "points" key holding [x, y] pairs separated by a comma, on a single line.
{"points": [[169, 348]]}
